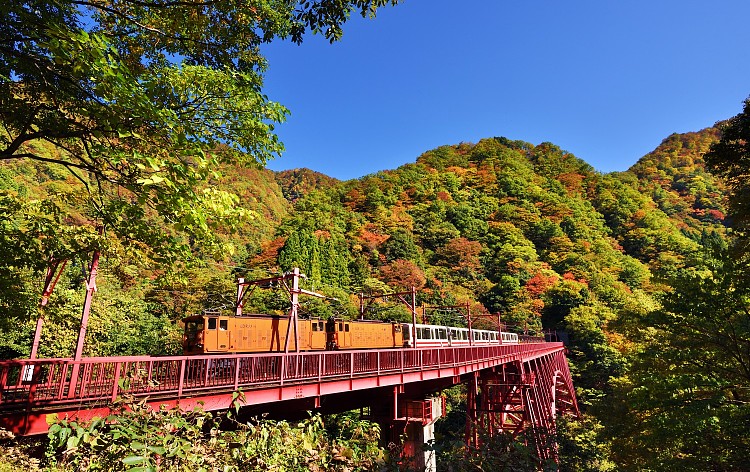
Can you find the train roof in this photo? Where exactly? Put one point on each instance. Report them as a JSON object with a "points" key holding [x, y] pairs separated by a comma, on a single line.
{"points": [[362, 321], [247, 315]]}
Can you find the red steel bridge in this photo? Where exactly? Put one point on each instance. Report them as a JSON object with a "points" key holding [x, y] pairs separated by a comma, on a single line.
{"points": [[511, 387]]}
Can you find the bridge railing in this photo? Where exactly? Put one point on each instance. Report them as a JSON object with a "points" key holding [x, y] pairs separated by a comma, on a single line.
{"points": [[52, 381]]}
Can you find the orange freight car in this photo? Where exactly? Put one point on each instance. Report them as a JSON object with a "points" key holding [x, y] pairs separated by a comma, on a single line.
{"points": [[211, 334], [360, 334]]}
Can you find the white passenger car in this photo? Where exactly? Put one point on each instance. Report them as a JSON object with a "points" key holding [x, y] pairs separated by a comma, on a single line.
{"points": [[444, 336]]}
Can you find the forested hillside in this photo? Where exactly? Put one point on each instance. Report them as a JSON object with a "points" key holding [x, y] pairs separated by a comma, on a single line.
{"points": [[527, 231]]}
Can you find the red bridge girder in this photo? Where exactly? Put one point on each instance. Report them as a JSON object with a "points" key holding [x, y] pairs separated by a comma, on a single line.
{"points": [[32, 389]]}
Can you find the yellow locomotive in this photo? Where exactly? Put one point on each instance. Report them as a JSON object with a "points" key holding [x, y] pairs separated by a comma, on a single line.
{"points": [[211, 334]]}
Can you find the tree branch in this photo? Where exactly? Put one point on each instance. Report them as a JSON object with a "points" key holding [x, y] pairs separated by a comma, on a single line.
{"points": [[122, 15], [162, 5]]}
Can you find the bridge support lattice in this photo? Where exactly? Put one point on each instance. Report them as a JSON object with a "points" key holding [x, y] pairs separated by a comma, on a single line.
{"points": [[523, 396]]}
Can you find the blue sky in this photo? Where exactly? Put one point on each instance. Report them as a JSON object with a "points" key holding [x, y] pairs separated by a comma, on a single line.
{"points": [[606, 80]]}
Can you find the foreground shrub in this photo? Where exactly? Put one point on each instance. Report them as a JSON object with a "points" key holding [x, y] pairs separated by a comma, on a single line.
{"points": [[140, 439]]}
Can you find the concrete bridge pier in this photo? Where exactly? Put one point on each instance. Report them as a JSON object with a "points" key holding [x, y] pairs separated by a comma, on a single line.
{"points": [[407, 424]]}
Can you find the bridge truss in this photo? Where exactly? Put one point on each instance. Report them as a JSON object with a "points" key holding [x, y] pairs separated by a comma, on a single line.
{"points": [[523, 396]]}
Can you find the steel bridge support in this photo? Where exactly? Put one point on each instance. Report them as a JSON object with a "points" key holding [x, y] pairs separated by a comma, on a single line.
{"points": [[522, 396], [407, 424]]}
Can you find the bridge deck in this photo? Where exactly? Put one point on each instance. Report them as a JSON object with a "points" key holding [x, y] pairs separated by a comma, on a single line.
{"points": [[32, 389]]}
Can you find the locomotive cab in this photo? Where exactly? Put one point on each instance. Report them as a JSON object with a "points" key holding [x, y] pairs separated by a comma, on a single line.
{"points": [[204, 334], [337, 334], [193, 337]]}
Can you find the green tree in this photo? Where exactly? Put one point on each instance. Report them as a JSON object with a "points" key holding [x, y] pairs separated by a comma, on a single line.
{"points": [[688, 387], [581, 445], [141, 101], [302, 249], [334, 262], [730, 159], [594, 360], [400, 245], [34, 232]]}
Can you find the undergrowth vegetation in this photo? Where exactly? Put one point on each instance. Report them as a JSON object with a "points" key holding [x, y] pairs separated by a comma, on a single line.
{"points": [[139, 439]]}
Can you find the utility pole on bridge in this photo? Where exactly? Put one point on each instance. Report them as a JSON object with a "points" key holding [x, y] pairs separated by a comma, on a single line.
{"points": [[245, 288]]}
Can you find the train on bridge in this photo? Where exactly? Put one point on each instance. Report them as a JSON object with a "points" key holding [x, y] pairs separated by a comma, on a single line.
{"points": [[214, 334], [300, 364]]}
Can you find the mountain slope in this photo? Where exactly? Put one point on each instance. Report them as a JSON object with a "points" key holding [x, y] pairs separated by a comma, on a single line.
{"points": [[675, 177]]}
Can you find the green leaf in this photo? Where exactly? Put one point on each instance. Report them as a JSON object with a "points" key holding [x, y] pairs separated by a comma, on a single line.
{"points": [[157, 450], [73, 442], [132, 460]]}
